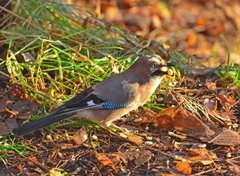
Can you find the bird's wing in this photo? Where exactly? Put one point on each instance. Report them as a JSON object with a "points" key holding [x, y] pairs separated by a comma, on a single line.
{"points": [[85, 100], [119, 88], [89, 99]]}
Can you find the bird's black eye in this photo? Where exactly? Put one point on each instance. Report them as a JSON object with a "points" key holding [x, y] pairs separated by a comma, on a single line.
{"points": [[155, 64]]}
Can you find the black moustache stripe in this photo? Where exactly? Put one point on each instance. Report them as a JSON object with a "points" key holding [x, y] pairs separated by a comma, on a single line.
{"points": [[158, 73]]}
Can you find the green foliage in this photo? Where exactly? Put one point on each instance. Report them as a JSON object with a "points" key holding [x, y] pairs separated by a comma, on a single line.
{"points": [[8, 146], [58, 71], [231, 74]]}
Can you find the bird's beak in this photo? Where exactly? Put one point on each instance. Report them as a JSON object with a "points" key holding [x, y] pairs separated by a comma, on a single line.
{"points": [[170, 65], [166, 68]]}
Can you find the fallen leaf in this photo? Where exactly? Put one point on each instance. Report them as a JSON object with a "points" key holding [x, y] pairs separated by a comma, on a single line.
{"points": [[211, 85], [81, 136], [235, 169], [129, 155], [104, 159], [111, 160], [138, 140], [226, 101], [215, 27], [191, 39], [112, 13], [176, 118], [32, 160], [139, 157], [202, 155], [201, 21], [145, 116], [144, 157], [184, 167], [226, 137]]}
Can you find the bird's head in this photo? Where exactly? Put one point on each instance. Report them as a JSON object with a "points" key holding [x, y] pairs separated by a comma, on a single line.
{"points": [[153, 66]]}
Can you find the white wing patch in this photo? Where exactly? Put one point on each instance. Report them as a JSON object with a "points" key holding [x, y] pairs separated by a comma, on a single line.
{"points": [[90, 103]]}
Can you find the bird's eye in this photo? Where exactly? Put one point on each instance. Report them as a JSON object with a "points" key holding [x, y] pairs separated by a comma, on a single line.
{"points": [[155, 64]]}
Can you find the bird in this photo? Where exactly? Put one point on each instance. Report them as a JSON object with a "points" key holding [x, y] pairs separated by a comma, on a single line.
{"points": [[111, 98]]}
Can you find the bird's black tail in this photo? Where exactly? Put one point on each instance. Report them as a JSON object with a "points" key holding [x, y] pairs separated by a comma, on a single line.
{"points": [[41, 123]]}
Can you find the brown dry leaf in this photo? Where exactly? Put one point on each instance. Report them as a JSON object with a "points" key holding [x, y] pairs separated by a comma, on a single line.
{"points": [[137, 156], [176, 118], [138, 140], [215, 28], [128, 156], [201, 22], [226, 101], [231, 100], [81, 136], [184, 167], [146, 116], [112, 13], [226, 137], [104, 159], [235, 169], [144, 157], [201, 155], [32, 159], [111, 160], [191, 39], [211, 85], [21, 168]]}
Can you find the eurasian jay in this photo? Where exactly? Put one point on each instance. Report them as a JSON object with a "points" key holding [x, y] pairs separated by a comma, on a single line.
{"points": [[110, 99]]}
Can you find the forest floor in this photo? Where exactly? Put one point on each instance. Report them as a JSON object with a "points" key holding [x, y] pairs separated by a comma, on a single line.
{"points": [[50, 51]]}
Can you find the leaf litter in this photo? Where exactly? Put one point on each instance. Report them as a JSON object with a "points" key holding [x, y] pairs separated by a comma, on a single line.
{"points": [[208, 111]]}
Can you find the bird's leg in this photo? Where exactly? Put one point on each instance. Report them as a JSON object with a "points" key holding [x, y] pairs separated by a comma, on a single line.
{"points": [[119, 128], [114, 127]]}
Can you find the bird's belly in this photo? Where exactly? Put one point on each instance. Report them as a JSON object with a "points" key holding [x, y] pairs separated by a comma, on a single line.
{"points": [[103, 116]]}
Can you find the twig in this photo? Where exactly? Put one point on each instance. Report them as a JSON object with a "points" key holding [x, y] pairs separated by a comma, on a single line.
{"points": [[204, 172], [6, 76], [145, 46]]}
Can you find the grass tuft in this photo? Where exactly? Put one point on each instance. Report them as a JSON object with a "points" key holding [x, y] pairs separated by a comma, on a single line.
{"points": [[8, 146], [230, 74]]}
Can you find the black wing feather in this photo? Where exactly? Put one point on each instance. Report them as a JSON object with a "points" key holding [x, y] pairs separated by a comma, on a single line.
{"points": [[79, 100], [68, 109]]}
